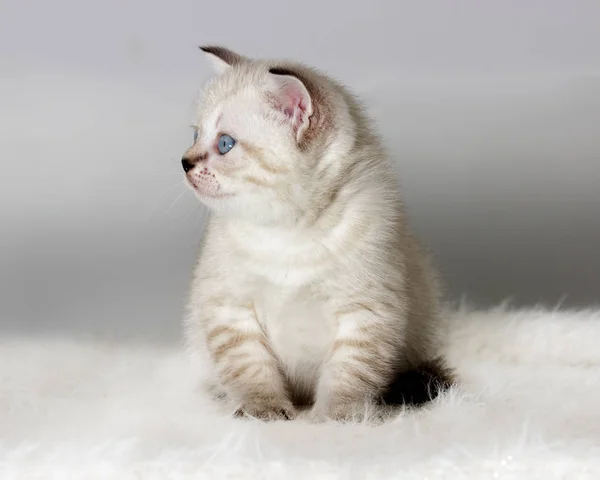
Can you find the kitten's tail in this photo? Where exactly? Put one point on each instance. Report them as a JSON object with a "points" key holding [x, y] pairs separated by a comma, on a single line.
{"points": [[419, 385]]}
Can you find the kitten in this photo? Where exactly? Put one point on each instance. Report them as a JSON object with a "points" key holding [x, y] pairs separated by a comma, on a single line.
{"points": [[310, 290]]}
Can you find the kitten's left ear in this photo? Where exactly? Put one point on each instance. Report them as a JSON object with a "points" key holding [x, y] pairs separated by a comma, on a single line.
{"points": [[221, 58], [291, 97]]}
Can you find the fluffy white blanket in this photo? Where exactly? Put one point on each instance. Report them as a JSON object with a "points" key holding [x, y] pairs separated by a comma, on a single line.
{"points": [[528, 407]]}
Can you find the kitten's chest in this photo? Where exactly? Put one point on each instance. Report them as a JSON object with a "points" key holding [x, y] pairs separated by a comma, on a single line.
{"points": [[299, 329], [280, 257]]}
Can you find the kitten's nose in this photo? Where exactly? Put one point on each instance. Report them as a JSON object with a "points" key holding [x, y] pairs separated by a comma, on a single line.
{"points": [[186, 164], [189, 162]]}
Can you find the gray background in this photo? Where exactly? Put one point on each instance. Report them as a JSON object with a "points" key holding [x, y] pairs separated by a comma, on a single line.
{"points": [[491, 111]]}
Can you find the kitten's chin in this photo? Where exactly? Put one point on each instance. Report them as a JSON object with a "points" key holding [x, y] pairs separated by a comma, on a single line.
{"points": [[214, 196], [207, 195]]}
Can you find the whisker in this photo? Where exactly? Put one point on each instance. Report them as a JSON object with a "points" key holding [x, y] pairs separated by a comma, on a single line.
{"points": [[191, 213], [176, 184], [176, 200], [159, 196]]}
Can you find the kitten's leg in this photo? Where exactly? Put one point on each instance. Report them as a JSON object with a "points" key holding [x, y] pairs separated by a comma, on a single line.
{"points": [[360, 363], [245, 363]]}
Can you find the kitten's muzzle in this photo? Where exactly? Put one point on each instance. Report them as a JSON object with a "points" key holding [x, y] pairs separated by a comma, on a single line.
{"points": [[189, 162]]}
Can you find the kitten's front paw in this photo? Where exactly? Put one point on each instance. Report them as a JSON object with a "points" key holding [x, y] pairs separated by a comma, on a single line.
{"points": [[267, 412], [347, 412], [338, 412], [315, 415]]}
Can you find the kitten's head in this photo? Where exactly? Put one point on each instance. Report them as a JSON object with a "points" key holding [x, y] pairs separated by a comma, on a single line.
{"points": [[262, 129]]}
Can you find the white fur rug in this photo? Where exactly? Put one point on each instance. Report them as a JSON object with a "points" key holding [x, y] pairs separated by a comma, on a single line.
{"points": [[528, 407]]}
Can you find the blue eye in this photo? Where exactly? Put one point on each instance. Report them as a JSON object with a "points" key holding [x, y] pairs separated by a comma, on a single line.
{"points": [[226, 143], [195, 136]]}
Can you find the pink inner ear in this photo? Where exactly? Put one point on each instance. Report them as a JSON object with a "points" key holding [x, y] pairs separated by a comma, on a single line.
{"points": [[294, 101], [293, 98]]}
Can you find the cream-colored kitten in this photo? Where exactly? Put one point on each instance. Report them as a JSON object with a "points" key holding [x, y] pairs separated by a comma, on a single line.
{"points": [[310, 289]]}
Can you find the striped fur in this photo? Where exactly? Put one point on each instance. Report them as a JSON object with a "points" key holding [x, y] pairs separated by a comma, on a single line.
{"points": [[310, 290]]}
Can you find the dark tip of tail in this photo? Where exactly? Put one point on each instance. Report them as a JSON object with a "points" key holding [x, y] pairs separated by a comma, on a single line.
{"points": [[419, 385]]}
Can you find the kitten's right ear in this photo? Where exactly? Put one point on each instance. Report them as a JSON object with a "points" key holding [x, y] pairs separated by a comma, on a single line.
{"points": [[291, 97], [221, 58]]}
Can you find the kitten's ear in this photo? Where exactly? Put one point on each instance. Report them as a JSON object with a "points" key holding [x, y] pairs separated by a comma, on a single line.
{"points": [[222, 59], [291, 96]]}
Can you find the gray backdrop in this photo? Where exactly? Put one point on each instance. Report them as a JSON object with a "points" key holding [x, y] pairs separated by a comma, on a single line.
{"points": [[491, 111]]}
